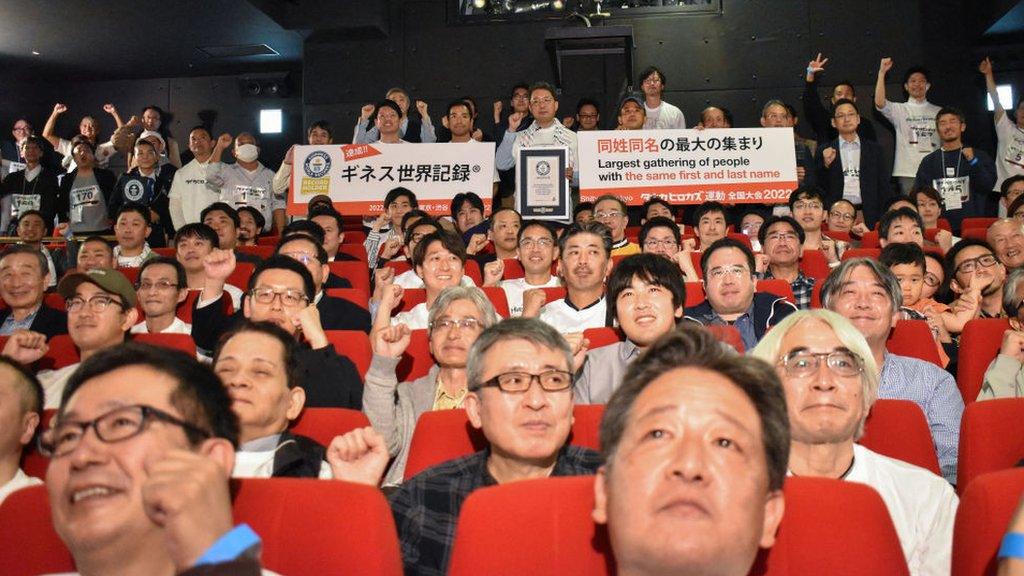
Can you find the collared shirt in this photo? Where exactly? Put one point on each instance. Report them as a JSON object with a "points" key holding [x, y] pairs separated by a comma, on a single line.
{"points": [[602, 372], [935, 391], [10, 325], [426, 507], [802, 288], [849, 154], [567, 318], [445, 401], [744, 324]]}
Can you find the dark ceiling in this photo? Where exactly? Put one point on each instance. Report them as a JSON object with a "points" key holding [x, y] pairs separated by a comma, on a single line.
{"points": [[119, 39]]}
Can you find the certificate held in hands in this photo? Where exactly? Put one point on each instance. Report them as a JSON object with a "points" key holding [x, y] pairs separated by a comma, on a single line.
{"points": [[543, 191]]}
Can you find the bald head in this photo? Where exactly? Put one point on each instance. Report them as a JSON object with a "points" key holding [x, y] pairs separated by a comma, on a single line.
{"points": [[1006, 236]]}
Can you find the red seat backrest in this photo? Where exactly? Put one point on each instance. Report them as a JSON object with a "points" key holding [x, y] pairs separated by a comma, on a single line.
{"points": [[816, 295], [498, 299], [184, 310], [354, 345], [974, 222], [741, 238], [829, 527], [870, 240], [513, 269], [357, 296], [410, 298], [913, 338], [780, 288], [898, 429], [357, 250], [979, 233], [55, 301], [354, 237], [167, 251], [728, 334], [62, 353], [32, 462], [837, 235], [472, 269], [442, 435], [991, 438], [599, 337], [240, 276], [399, 266], [323, 424], [872, 253], [130, 272], [979, 345], [259, 251], [814, 264], [982, 517], [182, 342], [268, 240], [555, 293], [694, 294], [354, 271], [416, 361], [28, 543]]}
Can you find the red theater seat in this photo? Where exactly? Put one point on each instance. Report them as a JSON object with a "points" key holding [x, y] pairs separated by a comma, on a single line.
{"points": [[914, 338], [323, 424], [979, 345], [982, 517], [991, 438], [969, 223], [182, 342], [354, 271], [898, 429], [872, 253], [354, 345]]}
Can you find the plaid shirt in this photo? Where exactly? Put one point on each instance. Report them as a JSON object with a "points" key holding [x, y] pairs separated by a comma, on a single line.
{"points": [[802, 288], [427, 505]]}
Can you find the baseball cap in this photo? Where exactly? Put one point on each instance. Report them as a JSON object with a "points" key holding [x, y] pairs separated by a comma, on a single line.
{"points": [[108, 279]]}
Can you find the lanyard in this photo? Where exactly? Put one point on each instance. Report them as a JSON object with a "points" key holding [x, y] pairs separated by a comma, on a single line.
{"points": [[959, 157]]}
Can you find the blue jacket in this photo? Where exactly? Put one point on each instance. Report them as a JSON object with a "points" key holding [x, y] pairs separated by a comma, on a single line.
{"points": [[768, 310]]}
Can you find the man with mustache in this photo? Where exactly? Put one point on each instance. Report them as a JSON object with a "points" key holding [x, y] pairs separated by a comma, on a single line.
{"points": [[831, 381], [869, 296], [782, 240]]}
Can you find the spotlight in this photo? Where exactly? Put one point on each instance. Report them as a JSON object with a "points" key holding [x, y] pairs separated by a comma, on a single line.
{"points": [[479, 4]]}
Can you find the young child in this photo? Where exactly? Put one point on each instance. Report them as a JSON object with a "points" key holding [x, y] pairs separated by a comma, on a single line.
{"points": [[907, 262]]}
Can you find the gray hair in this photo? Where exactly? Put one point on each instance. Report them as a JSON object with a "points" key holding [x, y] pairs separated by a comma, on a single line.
{"points": [[773, 102], [1010, 300], [530, 329], [475, 295], [841, 275], [770, 350]]}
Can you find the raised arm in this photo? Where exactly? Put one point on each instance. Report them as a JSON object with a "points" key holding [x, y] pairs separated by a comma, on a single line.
{"points": [[990, 85], [883, 67], [51, 124], [112, 110]]}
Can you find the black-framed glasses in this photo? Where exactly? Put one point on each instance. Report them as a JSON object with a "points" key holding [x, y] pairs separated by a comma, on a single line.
{"points": [[289, 297], [968, 266], [803, 363], [517, 382], [97, 303], [931, 280], [116, 425]]}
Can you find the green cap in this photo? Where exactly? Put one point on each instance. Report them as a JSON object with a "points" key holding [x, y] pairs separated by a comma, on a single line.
{"points": [[108, 279]]}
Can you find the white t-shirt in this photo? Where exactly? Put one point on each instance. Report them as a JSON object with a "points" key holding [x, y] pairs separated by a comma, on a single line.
{"points": [[514, 292], [415, 319], [20, 480], [189, 193], [178, 326], [666, 116], [916, 135], [103, 154], [567, 319], [239, 187], [1009, 151], [53, 382], [922, 506], [410, 280]]}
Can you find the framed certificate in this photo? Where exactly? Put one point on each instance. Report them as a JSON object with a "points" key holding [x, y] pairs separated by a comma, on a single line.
{"points": [[542, 189]]}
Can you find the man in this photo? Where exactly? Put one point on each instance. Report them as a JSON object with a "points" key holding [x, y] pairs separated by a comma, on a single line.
{"points": [[10, 150], [518, 370], [34, 188], [538, 249], [1006, 236], [730, 283], [583, 212], [977, 277], [611, 211], [146, 491], [223, 219], [84, 192], [914, 121], [963, 176], [388, 122], [841, 215], [402, 127], [588, 116], [192, 244], [248, 182], [715, 117], [503, 235], [870, 297], [131, 230], [161, 289], [831, 381], [584, 261], [256, 364], [782, 240], [901, 225], [467, 211], [250, 223], [1004, 377], [545, 130], [852, 168], [439, 259], [658, 114], [815, 111], [149, 184], [335, 313], [397, 202], [318, 134], [21, 410], [101, 310], [409, 279], [31, 229], [23, 281], [1011, 189], [93, 253], [661, 236], [333, 225], [656, 206], [1010, 143], [631, 112], [673, 501], [459, 122], [87, 130], [776, 114], [189, 193], [280, 291], [646, 296], [808, 208], [710, 223]]}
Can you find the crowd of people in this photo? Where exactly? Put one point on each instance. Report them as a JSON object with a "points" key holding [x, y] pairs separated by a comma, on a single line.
{"points": [[710, 401]]}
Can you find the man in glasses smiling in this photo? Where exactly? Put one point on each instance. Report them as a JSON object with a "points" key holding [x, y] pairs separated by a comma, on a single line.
{"points": [[161, 288], [520, 396], [141, 449], [101, 310], [538, 249], [977, 277], [831, 380]]}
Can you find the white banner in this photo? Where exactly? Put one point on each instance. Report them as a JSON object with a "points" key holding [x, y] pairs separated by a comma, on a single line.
{"points": [[731, 165], [358, 176]]}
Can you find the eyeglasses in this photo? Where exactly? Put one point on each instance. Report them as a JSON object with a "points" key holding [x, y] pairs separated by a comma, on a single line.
{"points": [[608, 214], [652, 243], [931, 280], [415, 238], [289, 297], [114, 426], [721, 271], [516, 382], [801, 363], [842, 217], [778, 117], [301, 257], [519, 96], [652, 80], [467, 323], [96, 303], [539, 242], [161, 286], [968, 266]]}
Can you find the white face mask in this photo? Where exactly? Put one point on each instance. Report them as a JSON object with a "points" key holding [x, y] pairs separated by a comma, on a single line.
{"points": [[247, 152]]}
